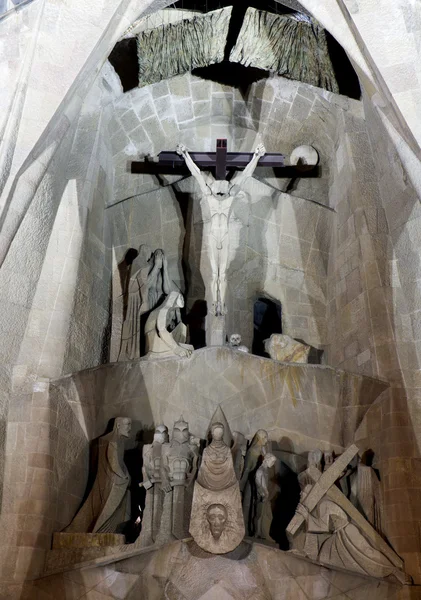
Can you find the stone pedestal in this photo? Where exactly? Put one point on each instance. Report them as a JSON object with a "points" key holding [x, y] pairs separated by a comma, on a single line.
{"points": [[215, 330]]}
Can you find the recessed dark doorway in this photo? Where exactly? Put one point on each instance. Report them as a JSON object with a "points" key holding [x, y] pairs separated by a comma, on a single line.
{"points": [[267, 319]]}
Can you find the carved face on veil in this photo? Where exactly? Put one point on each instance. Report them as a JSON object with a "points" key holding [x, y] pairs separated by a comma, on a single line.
{"points": [[217, 517]]}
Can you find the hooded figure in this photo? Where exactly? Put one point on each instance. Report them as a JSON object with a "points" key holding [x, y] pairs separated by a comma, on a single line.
{"points": [[108, 505]]}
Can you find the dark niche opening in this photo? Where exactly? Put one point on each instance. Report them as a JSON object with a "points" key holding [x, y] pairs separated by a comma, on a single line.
{"points": [[267, 319]]}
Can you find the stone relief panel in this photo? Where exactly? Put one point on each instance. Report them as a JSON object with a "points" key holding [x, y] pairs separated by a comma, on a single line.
{"points": [[301, 407], [177, 571], [329, 527]]}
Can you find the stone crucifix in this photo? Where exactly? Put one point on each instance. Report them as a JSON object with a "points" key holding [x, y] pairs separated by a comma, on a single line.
{"points": [[218, 196]]}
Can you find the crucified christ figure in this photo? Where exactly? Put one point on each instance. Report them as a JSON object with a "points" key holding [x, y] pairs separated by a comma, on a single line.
{"points": [[219, 196]]}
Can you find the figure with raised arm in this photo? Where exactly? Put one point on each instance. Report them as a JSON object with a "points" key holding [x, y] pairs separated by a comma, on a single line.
{"points": [[217, 198]]}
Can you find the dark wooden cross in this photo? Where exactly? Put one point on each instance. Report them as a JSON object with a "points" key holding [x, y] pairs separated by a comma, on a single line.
{"points": [[221, 163]]}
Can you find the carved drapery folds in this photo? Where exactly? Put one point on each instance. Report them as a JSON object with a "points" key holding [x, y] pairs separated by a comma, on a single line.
{"points": [[291, 46], [176, 48]]}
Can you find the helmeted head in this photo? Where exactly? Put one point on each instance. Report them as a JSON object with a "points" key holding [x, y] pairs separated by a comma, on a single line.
{"points": [[217, 432], [235, 339], [161, 434], [123, 426], [220, 188], [180, 432], [217, 516]]}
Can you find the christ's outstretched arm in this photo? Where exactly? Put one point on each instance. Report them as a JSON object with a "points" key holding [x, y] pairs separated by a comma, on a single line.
{"points": [[193, 168], [240, 178]]}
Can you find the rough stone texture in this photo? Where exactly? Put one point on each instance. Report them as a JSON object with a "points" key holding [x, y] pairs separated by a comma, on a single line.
{"points": [[285, 349], [176, 48], [373, 302], [182, 570], [54, 280], [287, 45], [45, 437]]}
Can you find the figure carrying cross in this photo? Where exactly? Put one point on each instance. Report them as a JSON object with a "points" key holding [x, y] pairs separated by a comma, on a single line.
{"points": [[218, 196]]}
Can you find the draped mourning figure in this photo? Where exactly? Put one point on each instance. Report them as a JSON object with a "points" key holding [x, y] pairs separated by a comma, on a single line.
{"points": [[259, 447], [108, 505], [266, 494], [368, 495], [149, 283], [165, 332], [216, 522]]}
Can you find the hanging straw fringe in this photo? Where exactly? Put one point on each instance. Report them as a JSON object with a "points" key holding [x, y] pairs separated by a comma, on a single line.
{"points": [[176, 48], [285, 45]]}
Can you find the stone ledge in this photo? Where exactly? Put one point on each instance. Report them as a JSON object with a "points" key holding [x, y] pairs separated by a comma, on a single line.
{"points": [[87, 540]]}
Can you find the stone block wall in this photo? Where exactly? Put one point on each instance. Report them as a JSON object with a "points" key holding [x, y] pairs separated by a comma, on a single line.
{"points": [[358, 231], [280, 112], [55, 295], [374, 304]]}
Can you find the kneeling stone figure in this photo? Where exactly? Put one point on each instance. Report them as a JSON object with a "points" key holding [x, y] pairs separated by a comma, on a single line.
{"points": [[159, 341]]}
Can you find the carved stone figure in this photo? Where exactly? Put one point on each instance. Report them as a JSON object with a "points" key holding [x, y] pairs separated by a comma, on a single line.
{"points": [[219, 417], [327, 527], [178, 470], [151, 470], [217, 468], [159, 341], [149, 283], [239, 449], [264, 515], [314, 459], [259, 447], [368, 492], [217, 200], [108, 504], [329, 459], [285, 349], [235, 343], [216, 522], [333, 540]]}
